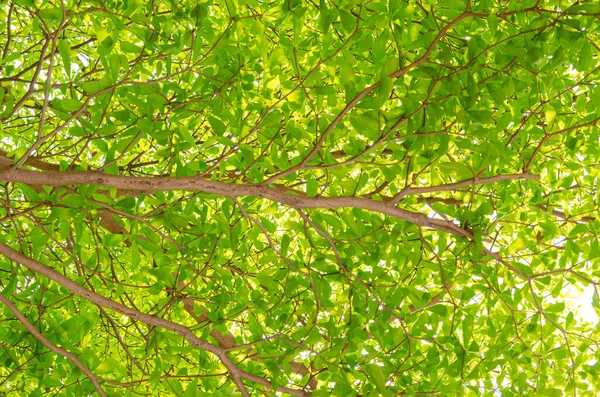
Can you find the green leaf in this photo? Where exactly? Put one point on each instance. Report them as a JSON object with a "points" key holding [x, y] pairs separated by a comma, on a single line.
{"points": [[517, 245], [555, 307], [65, 52], [385, 88], [551, 392], [458, 170], [376, 375], [492, 21], [131, 48], [67, 104], [111, 240], [549, 114], [10, 288], [467, 328], [185, 134], [108, 365], [365, 125], [217, 125], [440, 310], [74, 200], [497, 93], [51, 15], [93, 87], [312, 187]]}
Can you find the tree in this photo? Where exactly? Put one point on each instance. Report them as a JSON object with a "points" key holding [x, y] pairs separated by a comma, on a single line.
{"points": [[298, 198]]}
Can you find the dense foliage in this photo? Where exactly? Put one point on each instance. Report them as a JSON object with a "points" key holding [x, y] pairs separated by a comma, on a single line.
{"points": [[333, 197]]}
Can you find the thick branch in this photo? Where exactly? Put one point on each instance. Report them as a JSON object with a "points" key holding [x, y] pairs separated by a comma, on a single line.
{"points": [[6, 161], [52, 178]]}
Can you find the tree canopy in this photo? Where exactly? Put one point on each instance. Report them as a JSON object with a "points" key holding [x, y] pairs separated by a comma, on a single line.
{"points": [[306, 198]]}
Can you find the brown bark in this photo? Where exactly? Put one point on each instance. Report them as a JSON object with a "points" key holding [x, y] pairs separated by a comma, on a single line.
{"points": [[53, 178]]}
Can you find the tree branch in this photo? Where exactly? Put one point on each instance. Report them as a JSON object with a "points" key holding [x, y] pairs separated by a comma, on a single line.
{"points": [[58, 350], [457, 185], [236, 373], [52, 178], [368, 90]]}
